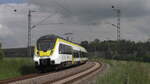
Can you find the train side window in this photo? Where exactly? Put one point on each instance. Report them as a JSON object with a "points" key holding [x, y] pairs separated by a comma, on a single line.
{"points": [[81, 54], [76, 53], [61, 49], [65, 49], [68, 49], [84, 54]]}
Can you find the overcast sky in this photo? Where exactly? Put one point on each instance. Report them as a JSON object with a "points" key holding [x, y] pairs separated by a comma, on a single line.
{"points": [[77, 17]]}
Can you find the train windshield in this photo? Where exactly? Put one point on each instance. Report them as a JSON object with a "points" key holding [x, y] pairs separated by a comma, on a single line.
{"points": [[45, 45]]}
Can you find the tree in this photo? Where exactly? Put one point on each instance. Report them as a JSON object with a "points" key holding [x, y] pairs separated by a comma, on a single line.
{"points": [[84, 44], [1, 53]]}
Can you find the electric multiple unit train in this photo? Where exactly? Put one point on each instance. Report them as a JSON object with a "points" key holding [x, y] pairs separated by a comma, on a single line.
{"points": [[53, 51]]}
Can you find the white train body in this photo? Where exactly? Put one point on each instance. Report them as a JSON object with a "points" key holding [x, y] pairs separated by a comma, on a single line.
{"points": [[59, 52]]}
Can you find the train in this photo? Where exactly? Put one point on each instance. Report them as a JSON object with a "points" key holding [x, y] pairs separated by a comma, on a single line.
{"points": [[52, 51]]}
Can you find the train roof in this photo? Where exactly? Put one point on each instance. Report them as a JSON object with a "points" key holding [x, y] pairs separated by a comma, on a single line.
{"points": [[49, 37], [54, 37]]}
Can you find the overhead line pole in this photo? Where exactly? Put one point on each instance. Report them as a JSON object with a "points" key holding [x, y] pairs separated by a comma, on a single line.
{"points": [[29, 34], [29, 50], [118, 24], [118, 11]]}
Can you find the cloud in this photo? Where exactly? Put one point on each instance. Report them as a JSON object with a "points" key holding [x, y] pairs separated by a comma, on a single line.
{"points": [[5, 31], [78, 17], [87, 11]]}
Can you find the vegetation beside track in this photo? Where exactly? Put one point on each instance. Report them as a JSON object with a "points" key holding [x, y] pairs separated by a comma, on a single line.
{"points": [[14, 67], [124, 72], [120, 72]]}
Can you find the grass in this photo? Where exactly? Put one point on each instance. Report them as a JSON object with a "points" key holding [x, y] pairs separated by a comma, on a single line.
{"points": [[14, 67], [125, 72]]}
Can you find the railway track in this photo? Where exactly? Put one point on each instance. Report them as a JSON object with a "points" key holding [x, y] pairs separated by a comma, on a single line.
{"points": [[77, 76], [65, 76]]}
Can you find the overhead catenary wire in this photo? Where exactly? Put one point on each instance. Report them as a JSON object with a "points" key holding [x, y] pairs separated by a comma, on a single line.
{"points": [[46, 18], [60, 5]]}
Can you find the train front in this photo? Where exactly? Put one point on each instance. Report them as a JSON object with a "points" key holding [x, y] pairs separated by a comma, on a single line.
{"points": [[44, 50]]}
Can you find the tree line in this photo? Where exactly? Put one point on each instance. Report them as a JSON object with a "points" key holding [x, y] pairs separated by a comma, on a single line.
{"points": [[119, 50], [111, 49]]}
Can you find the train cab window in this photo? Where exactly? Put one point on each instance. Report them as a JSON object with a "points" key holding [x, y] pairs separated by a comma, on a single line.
{"points": [[65, 49], [45, 45]]}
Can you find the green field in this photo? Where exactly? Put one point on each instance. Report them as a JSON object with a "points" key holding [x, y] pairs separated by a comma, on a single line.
{"points": [[14, 67], [124, 72]]}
